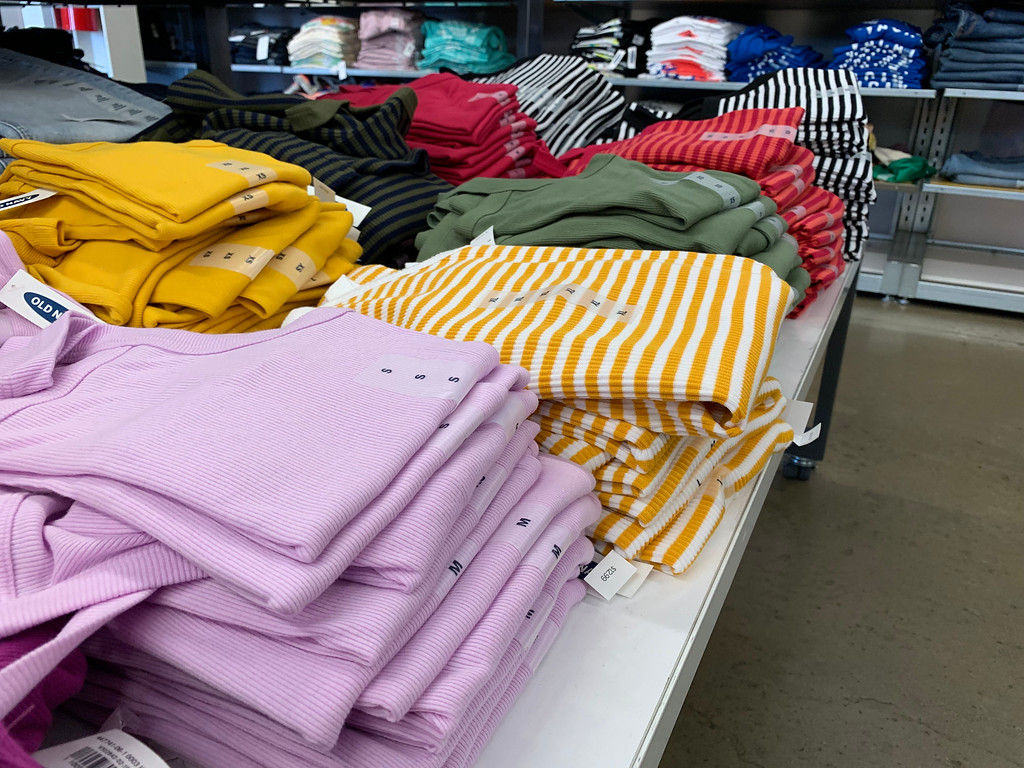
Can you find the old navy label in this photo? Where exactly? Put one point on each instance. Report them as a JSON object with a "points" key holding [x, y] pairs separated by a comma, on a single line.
{"points": [[33, 196], [48, 309]]}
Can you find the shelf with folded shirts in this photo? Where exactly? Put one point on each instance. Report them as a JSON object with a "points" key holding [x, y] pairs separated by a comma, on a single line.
{"points": [[279, 69], [640, 654]]}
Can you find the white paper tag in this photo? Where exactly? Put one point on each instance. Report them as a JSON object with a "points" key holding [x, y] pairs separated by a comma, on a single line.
{"points": [[610, 575], [631, 57], [643, 570], [809, 436], [321, 191], [24, 199], [353, 234], [37, 302], [263, 48], [110, 749], [617, 59], [342, 70], [358, 210], [484, 238]]}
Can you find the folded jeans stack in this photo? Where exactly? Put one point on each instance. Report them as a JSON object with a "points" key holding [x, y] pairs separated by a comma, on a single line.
{"points": [[211, 239], [979, 51], [571, 103], [252, 43], [615, 46], [691, 48], [985, 170], [468, 129], [390, 39], [885, 53], [359, 153], [621, 347], [465, 47], [761, 50], [325, 42], [367, 593], [60, 105], [834, 128]]}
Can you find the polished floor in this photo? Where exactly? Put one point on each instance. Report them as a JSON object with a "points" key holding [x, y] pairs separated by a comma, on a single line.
{"points": [[877, 618]]}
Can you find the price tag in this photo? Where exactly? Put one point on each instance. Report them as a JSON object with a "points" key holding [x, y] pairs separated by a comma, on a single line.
{"points": [[630, 588], [798, 413], [358, 210], [610, 575], [110, 749], [262, 48], [484, 238], [342, 70]]}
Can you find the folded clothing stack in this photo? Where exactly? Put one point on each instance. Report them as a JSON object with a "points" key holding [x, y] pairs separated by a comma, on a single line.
{"points": [[255, 44], [359, 153], [378, 613], [636, 117], [468, 129], [212, 239], [464, 46], [761, 50], [391, 39], [616, 46], [885, 53], [325, 42], [984, 170], [979, 51], [691, 48], [834, 128], [570, 102], [900, 167], [669, 433]]}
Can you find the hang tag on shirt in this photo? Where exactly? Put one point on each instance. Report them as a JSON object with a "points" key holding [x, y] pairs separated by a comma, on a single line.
{"points": [[610, 575], [617, 59], [321, 191], [358, 210], [484, 238], [631, 53], [263, 48], [630, 588], [37, 302], [32, 196], [342, 70], [110, 749], [798, 413]]}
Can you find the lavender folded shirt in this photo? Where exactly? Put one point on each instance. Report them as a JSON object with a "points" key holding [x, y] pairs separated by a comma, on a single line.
{"points": [[411, 671], [529, 593], [356, 621], [247, 522], [309, 693], [210, 731]]}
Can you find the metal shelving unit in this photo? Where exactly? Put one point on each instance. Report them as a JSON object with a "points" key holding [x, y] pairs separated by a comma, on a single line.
{"points": [[974, 93], [279, 69], [967, 190], [668, 82]]}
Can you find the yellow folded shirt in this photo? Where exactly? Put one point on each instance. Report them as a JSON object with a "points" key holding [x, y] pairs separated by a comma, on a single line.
{"points": [[38, 241], [210, 282], [116, 279], [178, 181], [90, 211], [288, 272]]}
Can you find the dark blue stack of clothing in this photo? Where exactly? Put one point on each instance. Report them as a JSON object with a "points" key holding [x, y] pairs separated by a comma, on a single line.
{"points": [[979, 51], [763, 50], [885, 53]]}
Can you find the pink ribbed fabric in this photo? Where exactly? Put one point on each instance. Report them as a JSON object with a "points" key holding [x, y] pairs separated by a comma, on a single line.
{"points": [[407, 675], [360, 622], [236, 509], [212, 732]]}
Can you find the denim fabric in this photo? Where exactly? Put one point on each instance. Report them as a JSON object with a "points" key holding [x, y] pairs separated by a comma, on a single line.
{"points": [[962, 22], [988, 181], [982, 165], [1016, 65], [1001, 45], [59, 105], [992, 76], [977, 85], [968, 56], [1004, 15]]}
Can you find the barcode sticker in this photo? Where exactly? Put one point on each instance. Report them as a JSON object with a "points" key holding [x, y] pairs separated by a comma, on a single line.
{"points": [[110, 749]]}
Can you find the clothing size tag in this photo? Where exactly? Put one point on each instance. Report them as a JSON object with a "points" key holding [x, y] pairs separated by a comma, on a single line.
{"points": [[610, 575], [418, 377], [37, 302], [110, 749], [33, 196], [631, 587], [484, 238]]}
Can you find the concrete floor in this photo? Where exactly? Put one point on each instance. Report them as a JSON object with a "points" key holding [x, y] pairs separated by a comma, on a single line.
{"points": [[877, 618]]}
